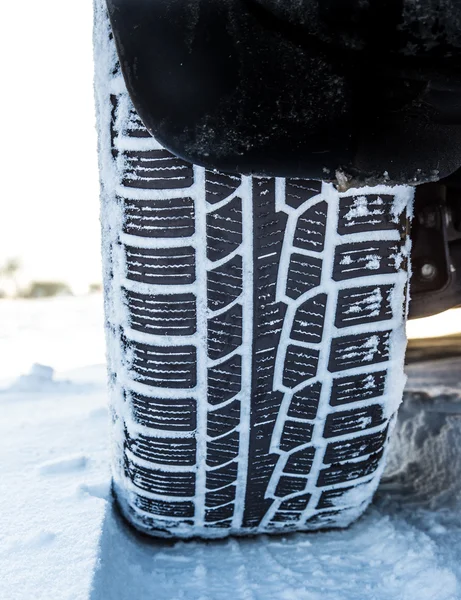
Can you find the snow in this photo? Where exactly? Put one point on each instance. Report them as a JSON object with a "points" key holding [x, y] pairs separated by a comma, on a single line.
{"points": [[62, 539], [34, 331]]}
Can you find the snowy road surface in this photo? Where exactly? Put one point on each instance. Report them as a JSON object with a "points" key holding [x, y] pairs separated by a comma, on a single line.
{"points": [[61, 539]]}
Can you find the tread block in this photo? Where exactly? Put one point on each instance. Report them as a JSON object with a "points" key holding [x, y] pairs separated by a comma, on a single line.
{"points": [[224, 230], [164, 509], [366, 212], [225, 380], [304, 274], [156, 170], [223, 450], [269, 330], [300, 365], [295, 434], [299, 503], [290, 485], [164, 451], [220, 513], [172, 314], [268, 317], [355, 448], [268, 230], [286, 517], [324, 520], [311, 228], [221, 496], [133, 126], [268, 227], [335, 497], [304, 404], [347, 390], [221, 477], [164, 266], [265, 409], [299, 191], [352, 421], [219, 186], [225, 283], [172, 217], [165, 483], [262, 466], [360, 305], [363, 259], [165, 366], [300, 463], [220, 524], [349, 352], [224, 419], [309, 320], [349, 471], [225, 333], [156, 525], [271, 313], [171, 414]]}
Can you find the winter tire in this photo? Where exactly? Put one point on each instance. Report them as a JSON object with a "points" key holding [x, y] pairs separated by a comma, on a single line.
{"points": [[255, 334]]}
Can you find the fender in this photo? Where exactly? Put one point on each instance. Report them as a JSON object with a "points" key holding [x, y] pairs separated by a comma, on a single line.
{"points": [[245, 87]]}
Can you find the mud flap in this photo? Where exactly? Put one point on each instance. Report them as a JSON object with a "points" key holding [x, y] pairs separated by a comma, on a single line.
{"points": [[234, 86]]}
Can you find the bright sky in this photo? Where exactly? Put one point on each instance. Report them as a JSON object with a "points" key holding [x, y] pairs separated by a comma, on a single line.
{"points": [[49, 207]]}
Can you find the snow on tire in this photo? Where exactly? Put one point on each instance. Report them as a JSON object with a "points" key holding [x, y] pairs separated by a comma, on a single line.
{"points": [[255, 333]]}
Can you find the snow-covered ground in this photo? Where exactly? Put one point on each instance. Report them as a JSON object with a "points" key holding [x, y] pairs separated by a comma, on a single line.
{"points": [[61, 539]]}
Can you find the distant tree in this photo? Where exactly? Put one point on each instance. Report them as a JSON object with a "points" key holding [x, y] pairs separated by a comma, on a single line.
{"points": [[95, 288], [46, 289], [9, 271]]}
